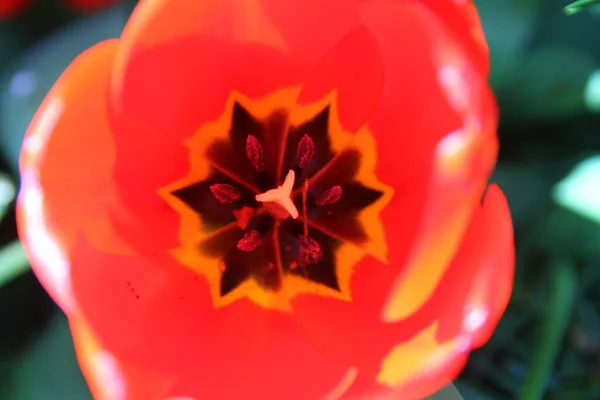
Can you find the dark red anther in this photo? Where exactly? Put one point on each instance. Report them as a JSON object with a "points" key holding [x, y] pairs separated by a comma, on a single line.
{"points": [[225, 193], [254, 152], [250, 241], [329, 196], [310, 250], [306, 149]]}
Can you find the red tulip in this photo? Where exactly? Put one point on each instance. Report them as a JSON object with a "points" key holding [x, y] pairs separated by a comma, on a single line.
{"points": [[272, 199]]}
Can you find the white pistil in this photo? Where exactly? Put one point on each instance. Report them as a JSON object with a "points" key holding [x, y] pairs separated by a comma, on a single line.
{"points": [[282, 195]]}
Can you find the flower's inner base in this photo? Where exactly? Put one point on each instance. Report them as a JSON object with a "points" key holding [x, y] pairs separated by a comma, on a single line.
{"points": [[278, 202]]}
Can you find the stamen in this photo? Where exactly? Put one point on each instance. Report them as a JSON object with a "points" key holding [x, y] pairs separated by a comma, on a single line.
{"points": [[250, 241], [329, 196], [225, 193], [306, 150], [282, 195], [310, 250], [254, 152]]}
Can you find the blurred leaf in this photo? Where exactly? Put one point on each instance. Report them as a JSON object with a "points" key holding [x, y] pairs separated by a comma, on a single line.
{"points": [[48, 369], [560, 301], [579, 6], [592, 92], [568, 232], [549, 86], [472, 392], [13, 262], [447, 393], [27, 79], [507, 45], [580, 191], [525, 187], [7, 193]]}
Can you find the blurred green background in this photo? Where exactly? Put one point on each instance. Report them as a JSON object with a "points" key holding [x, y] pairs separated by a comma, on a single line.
{"points": [[546, 75]]}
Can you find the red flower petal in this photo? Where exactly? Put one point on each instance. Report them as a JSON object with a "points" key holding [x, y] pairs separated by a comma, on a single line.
{"points": [[464, 307], [92, 174], [463, 20], [417, 104], [473, 294], [157, 313], [253, 47], [492, 284], [67, 189], [110, 378], [463, 160]]}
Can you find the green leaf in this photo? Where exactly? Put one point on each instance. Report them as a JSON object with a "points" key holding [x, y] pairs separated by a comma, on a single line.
{"points": [[579, 5], [447, 393], [592, 92], [7, 193], [580, 192], [13, 262], [47, 369], [561, 297], [507, 45], [548, 86]]}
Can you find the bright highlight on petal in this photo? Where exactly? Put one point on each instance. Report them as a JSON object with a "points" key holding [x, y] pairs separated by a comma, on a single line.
{"points": [[420, 355], [47, 253]]}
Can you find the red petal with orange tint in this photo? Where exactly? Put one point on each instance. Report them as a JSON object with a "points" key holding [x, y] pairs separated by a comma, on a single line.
{"points": [[67, 188], [408, 84], [110, 378], [470, 299], [158, 314], [462, 18], [85, 174]]}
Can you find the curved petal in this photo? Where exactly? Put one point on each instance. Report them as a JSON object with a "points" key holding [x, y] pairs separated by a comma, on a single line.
{"points": [[254, 47], [462, 18], [421, 366], [467, 306], [463, 160], [154, 312], [358, 325], [434, 205], [109, 378], [66, 186], [85, 172], [460, 314], [260, 46], [465, 302], [491, 287]]}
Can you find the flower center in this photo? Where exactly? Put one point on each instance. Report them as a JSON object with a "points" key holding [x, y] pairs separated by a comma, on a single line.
{"points": [[280, 199], [278, 202]]}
